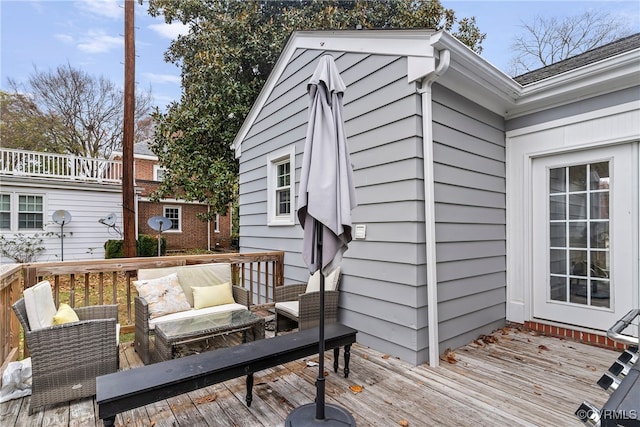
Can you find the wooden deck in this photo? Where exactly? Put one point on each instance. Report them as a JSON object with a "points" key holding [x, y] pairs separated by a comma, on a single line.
{"points": [[519, 379]]}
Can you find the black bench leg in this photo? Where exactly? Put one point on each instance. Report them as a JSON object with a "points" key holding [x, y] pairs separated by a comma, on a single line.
{"points": [[249, 398], [109, 422], [347, 357], [336, 356]]}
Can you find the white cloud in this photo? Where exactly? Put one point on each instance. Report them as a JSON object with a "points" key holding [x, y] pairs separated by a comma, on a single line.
{"points": [[100, 42], [162, 78], [106, 8], [64, 38], [169, 31]]}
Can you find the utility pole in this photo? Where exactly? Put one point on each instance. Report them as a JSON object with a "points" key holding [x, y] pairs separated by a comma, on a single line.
{"points": [[128, 196]]}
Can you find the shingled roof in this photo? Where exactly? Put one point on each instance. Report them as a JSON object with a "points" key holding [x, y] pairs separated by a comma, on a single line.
{"points": [[594, 55]]}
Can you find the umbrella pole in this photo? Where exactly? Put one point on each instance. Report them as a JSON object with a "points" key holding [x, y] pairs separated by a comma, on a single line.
{"points": [[320, 382]]}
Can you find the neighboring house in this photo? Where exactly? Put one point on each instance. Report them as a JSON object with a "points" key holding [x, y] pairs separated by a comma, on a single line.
{"points": [[486, 200], [34, 185], [187, 230]]}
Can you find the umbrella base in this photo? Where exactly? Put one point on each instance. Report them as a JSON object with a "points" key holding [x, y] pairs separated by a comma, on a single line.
{"points": [[305, 415]]}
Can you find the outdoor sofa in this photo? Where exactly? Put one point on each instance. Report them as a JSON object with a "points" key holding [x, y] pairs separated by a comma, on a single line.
{"points": [[173, 293]]}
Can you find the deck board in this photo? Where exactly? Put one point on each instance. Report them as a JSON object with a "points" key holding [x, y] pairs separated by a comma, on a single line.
{"points": [[521, 379]]}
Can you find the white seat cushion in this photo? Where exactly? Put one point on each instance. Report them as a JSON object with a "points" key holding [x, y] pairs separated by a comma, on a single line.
{"points": [[330, 281], [289, 307], [192, 313], [38, 301]]}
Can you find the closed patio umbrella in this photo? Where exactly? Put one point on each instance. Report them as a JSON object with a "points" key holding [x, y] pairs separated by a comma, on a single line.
{"points": [[326, 198]]}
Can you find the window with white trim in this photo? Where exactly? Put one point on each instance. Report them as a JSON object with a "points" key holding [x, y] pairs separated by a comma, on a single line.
{"points": [[216, 223], [30, 212], [174, 213], [158, 173], [5, 211], [280, 187]]}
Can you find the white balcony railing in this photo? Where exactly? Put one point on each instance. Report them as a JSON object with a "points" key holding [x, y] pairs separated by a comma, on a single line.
{"points": [[59, 166]]}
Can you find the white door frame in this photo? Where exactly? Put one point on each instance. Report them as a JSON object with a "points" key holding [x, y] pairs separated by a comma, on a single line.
{"points": [[620, 214], [601, 128]]}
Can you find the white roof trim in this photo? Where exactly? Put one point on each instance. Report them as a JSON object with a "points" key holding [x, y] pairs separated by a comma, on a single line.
{"points": [[611, 74], [469, 74], [404, 43]]}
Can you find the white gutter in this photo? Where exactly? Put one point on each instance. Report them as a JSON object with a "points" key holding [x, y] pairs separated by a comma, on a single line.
{"points": [[429, 203]]}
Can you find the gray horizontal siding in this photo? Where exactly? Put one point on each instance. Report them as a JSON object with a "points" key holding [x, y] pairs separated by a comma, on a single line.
{"points": [[380, 293], [470, 204]]}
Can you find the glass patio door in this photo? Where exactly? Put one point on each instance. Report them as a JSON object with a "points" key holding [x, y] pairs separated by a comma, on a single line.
{"points": [[584, 215]]}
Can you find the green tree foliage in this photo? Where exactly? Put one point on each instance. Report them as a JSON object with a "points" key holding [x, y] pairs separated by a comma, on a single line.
{"points": [[227, 56], [23, 125], [76, 112]]}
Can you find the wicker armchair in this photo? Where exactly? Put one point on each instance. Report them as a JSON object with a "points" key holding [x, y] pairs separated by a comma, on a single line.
{"points": [[299, 304], [67, 358]]}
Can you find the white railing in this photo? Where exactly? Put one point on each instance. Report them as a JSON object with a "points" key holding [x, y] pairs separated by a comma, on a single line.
{"points": [[59, 166]]}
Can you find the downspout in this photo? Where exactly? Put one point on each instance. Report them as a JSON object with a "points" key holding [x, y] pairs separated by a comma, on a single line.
{"points": [[429, 203], [208, 227]]}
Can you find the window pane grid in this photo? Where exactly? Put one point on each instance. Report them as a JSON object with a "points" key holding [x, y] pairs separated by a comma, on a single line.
{"points": [[579, 234], [283, 189], [5, 211], [174, 215], [30, 212]]}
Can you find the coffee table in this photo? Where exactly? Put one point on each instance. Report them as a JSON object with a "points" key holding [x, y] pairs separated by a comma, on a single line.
{"points": [[198, 328]]}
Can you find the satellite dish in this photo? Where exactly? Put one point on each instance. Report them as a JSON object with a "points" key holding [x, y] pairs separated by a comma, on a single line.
{"points": [[61, 217], [159, 223], [109, 220]]}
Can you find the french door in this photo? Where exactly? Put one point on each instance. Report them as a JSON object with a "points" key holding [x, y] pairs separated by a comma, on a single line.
{"points": [[585, 236]]}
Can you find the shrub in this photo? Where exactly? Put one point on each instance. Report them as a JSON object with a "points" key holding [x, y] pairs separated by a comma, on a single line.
{"points": [[147, 245], [114, 249], [22, 248]]}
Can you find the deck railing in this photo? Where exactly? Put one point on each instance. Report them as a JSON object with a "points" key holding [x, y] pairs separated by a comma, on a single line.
{"points": [[60, 166], [109, 281], [10, 291]]}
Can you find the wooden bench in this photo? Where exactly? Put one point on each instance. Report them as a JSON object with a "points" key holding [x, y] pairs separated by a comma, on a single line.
{"points": [[125, 390]]}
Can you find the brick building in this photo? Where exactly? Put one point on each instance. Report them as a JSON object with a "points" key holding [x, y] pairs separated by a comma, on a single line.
{"points": [[188, 231]]}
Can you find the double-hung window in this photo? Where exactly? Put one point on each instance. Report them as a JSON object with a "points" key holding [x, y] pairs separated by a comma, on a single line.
{"points": [[30, 212], [174, 213], [5, 211], [280, 182]]}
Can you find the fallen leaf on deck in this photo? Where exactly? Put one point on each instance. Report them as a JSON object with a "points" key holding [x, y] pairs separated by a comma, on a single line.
{"points": [[404, 423], [206, 399], [449, 356], [356, 388], [310, 363], [543, 347], [385, 356], [326, 373], [153, 423], [488, 339], [364, 356], [593, 368]]}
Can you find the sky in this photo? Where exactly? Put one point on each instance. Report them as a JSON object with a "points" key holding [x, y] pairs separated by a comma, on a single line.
{"points": [[88, 34]]}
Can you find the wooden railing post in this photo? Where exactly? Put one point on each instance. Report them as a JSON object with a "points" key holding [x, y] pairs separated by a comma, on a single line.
{"points": [[10, 292]]}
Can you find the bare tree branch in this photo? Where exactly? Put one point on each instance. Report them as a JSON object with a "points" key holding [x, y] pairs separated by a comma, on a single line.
{"points": [[547, 40]]}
